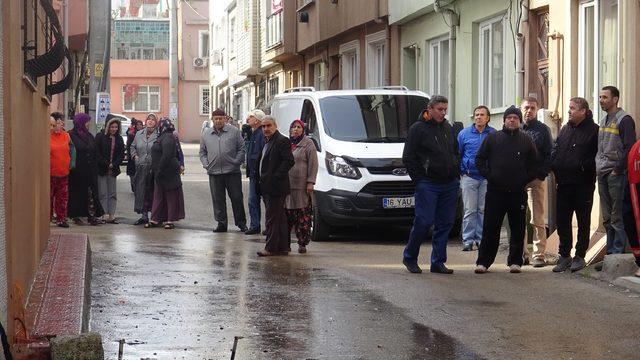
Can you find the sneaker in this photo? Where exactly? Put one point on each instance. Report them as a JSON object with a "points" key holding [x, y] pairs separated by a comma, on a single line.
{"points": [[252, 232], [412, 266], [538, 262], [441, 269], [467, 247], [577, 264], [243, 229], [480, 269], [220, 228], [563, 264], [515, 269]]}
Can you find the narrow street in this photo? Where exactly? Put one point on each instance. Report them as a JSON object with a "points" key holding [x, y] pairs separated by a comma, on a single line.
{"points": [[188, 292]]}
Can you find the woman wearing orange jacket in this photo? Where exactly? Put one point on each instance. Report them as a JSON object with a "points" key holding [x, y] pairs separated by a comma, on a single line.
{"points": [[62, 156]]}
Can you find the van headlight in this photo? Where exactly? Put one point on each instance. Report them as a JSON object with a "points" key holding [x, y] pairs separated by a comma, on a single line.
{"points": [[338, 166]]}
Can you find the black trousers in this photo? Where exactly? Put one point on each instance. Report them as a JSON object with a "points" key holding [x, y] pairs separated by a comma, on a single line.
{"points": [[496, 204], [220, 185], [579, 199], [629, 221], [278, 235]]}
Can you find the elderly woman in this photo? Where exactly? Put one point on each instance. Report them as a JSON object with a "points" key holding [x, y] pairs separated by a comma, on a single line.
{"points": [[62, 156], [302, 177], [168, 199], [83, 179], [110, 155], [136, 125], [143, 180]]}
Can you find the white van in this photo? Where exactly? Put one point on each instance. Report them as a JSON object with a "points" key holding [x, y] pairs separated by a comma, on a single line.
{"points": [[360, 137]]}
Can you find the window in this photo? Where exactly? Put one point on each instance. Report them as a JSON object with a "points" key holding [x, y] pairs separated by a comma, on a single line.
{"points": [[492, 77], [203, 43], [274, 29], [205, 100], [141, 98], [597, 48], [376, 59], [273, 87], [137, 39], [438, 66], [232, 36], [319, 76], [350, 69]]}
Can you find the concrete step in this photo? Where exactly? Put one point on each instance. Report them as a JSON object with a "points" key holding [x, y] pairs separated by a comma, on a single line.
{"points": [[628, 282], [618, 265]]}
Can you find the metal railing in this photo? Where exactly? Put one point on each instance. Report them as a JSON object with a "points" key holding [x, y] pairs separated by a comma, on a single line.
{"points": [[274, 30]]}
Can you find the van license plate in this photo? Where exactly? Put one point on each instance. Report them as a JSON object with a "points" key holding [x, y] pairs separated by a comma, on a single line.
{"points": [[398, 202]]}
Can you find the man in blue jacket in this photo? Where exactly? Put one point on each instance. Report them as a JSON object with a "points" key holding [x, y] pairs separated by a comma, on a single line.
{"points": [[473, 185], [431, 157], [256, 143]]}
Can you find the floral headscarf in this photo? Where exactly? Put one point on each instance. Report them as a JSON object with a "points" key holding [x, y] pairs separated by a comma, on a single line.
{"points": [[296, 140], [165, 125]]}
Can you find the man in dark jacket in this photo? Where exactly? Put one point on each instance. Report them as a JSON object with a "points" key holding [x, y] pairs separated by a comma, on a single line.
{"points": [[537, 188], [256, 143], [573, 161], [431, 157], [508, 160], [274, 164]]}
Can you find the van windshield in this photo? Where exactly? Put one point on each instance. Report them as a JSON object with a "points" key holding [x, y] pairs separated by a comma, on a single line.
{"points": [[371, 118]]}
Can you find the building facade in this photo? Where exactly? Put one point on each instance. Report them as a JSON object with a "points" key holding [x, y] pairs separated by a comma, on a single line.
{"points": [[29, 33], [194, 92], [139, 65]]}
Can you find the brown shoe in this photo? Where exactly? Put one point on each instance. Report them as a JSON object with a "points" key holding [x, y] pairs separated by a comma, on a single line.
{"points": [[265, 253]]}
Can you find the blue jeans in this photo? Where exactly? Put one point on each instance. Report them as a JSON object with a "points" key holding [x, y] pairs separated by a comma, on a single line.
{"points": [[611, 189], [473, 193], [254, 204], [435, 205]]}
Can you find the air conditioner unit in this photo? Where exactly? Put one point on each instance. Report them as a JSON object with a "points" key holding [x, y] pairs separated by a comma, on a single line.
{"points": [[199, 62], [216, 57]]}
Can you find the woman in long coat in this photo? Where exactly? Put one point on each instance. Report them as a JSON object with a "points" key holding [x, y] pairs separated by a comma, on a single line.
{"points": [[143, 180], [136, 125], [302, 177], [110, 155], [168, 198], [83, 179]]}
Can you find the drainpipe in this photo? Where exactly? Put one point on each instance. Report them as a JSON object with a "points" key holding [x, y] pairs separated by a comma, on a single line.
{"points": [[454, 22], [520, 53], [65, 96]]}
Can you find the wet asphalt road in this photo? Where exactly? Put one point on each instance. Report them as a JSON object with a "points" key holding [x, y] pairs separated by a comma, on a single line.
{"points": [[187, 293]]}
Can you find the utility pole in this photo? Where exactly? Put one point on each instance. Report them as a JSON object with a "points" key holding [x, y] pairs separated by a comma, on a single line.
{"points": [[99, 44], [173, 65]]}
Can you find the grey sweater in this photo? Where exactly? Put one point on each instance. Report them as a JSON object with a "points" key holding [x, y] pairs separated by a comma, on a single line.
{"points": [[223, 152], [140, 149]]}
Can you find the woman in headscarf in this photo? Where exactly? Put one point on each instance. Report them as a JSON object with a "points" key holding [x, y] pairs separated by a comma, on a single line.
{"points": [[62, 156], [136, 125], [302, 178], [83, 179], [168, 199], [143, 180], [110, 155]]}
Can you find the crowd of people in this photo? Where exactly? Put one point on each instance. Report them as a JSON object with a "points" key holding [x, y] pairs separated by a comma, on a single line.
{"points": [[281, 170], [504, 172]]}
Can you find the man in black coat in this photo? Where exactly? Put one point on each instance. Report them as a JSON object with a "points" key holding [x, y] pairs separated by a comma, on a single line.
{"points": [[573, 161], [509, 161], [274, 164]]}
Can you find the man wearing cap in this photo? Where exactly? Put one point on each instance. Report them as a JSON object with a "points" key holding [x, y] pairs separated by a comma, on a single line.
{"points": [[508, 160], [221, 154], [256, 143]]}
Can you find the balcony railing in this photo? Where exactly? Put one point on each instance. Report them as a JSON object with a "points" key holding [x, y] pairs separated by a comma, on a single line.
{"points": [[274, 30]]}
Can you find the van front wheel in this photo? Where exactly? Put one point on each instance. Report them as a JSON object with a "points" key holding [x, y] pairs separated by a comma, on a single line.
{"points": [[321, 230]]}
